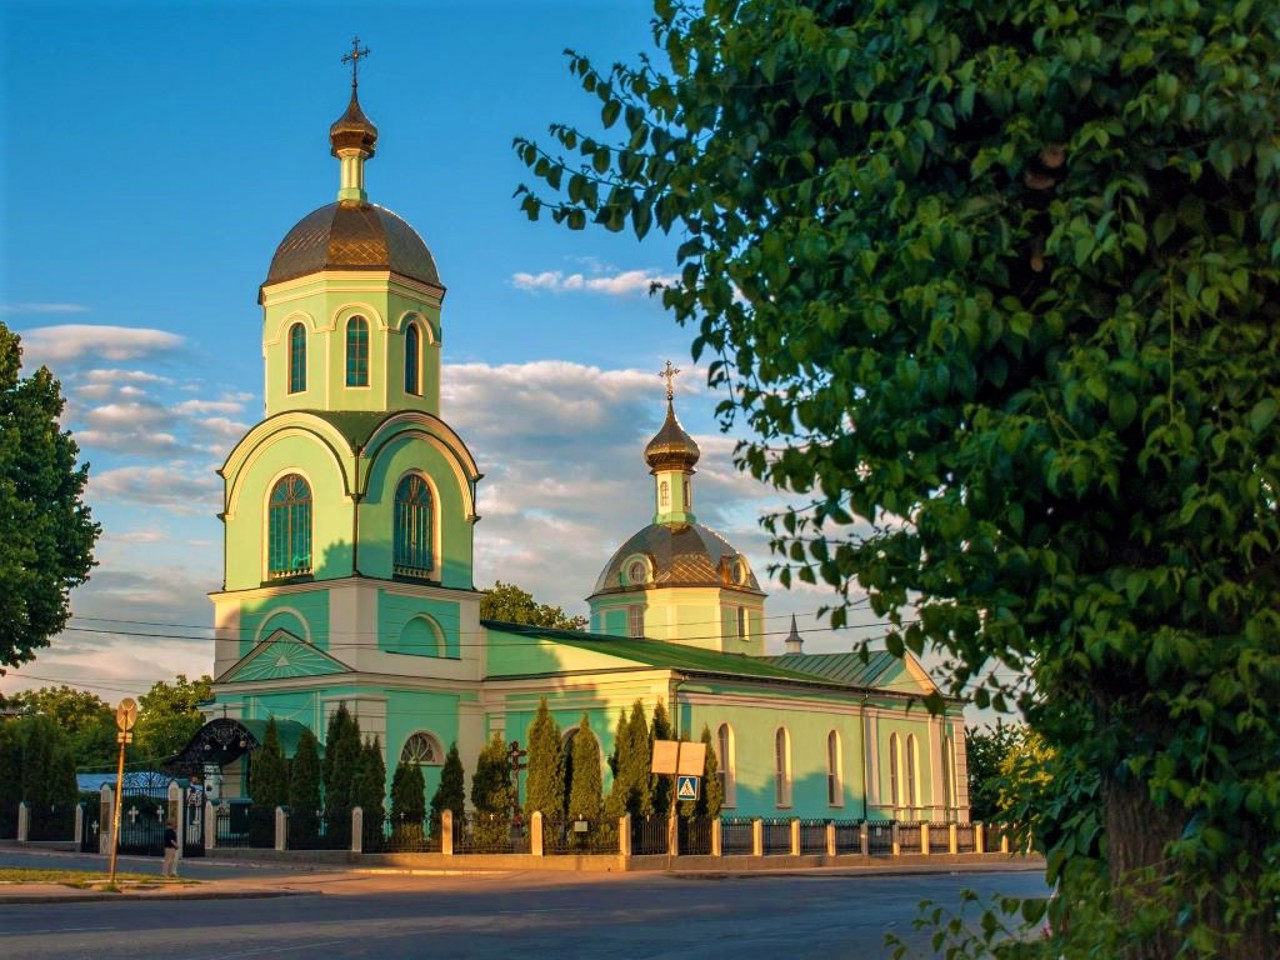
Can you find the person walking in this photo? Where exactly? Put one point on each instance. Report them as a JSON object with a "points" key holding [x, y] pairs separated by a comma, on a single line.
{"points": [[170, 850]]}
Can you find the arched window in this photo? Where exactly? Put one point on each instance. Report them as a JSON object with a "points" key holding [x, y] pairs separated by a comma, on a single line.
{"points": [[422, 749], [664, 494], [289, 528], [782, 767], [413, 360], [835, 789], [947, 801], [912, 798], [413, 527], [895, 759], [688, 495], [297, 358], [357, 352], [726, 762]]}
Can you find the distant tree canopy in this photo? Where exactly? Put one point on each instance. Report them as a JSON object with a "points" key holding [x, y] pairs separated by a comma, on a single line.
{"points": [[507, 602], [46, 532], [168, 716], [995, 285], [84, 717]]}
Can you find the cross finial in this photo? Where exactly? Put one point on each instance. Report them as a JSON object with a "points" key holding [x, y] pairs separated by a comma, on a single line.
{"points": [[669, 374], [354, 58]]}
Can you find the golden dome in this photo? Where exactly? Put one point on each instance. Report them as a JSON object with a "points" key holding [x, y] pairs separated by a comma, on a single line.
{"points": [[676, 555], [671, 447], [353, 129]]}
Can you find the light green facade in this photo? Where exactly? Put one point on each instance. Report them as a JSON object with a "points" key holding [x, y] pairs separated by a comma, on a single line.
{"points": [[406, 650]]}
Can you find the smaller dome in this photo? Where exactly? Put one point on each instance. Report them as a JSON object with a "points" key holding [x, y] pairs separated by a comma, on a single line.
{"points": [[353, 129], [671, 447], [676, 555]]}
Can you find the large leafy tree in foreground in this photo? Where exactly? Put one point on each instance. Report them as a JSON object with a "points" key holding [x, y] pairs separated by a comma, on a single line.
{"points": [[994, 283], [46, 532]]}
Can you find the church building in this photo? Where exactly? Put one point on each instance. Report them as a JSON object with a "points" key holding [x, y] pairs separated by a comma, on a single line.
{"points": [[350, 515]]}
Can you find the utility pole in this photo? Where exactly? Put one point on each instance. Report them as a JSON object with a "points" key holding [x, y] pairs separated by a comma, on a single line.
{"points": [[126, 717]]}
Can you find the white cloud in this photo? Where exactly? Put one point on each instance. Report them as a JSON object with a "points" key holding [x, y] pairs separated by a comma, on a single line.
{"points": [[113, 375], [209, 406], [180, 487], [133, 414], [622, 284], [73, 342]]}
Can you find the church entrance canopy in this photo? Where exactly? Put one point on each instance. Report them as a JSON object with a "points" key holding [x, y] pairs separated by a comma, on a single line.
{"points": [[225, 740]]}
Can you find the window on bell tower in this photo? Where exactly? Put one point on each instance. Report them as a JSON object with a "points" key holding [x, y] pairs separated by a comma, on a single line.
{"points": [[289, 528], [413, 360], [357, 352], [413, 533], [297, 358]]}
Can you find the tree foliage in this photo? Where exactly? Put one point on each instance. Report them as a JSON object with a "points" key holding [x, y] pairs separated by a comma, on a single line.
{"points": [[451, 793], [711, 798], [408, 794], [85, 717], [544, 783], [341, 765], [168, 716], [659, 783], [986, 749], [508, 603], [48, 768], [46, 532], [491, 791], [632, 792], [370, 787], [304, 786], [269, 773], [994, 286], [586, 790]]}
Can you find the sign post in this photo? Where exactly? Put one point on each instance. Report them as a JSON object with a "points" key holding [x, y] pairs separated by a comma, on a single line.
{"points": [[684, 761], [126, 717]]}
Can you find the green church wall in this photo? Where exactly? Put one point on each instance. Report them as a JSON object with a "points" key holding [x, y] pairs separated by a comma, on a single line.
{"points": [[452, 548], [409, 711], [304, 613], [396, 612], [300, 706], [246, 526]]}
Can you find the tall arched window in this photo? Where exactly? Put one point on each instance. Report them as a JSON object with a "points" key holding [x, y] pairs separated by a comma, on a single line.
{"points": [[835, 789], [357, 352], [413, 527], [289, 528], [664, 494], [782, 767], [297, 358], [726, 763], [413, 360], [912, 799], [422, 749], [947, 802], [895, 760]]}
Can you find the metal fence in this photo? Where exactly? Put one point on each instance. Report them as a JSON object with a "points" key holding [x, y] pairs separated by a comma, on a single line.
{"points": [[909, 837], [939, 838], [649, 836], [307, 832], [243, 825], [848, 836], [142, 825], [481, 834], [560, 837], [400, 836], [695, 836], [813, 836], [54, 822], [965, 839], [735, 835], [777, 836], [880, 838]]}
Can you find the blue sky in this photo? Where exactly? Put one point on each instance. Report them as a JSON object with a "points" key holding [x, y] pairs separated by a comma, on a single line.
{"points": [[155, 155]]}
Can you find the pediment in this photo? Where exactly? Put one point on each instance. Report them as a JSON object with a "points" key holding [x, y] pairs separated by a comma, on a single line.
{"points": [[282, 656]]}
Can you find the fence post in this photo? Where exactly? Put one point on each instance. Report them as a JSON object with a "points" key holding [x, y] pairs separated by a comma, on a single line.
{"points": [[757, 837], [446, 832], [173, 812], [924, 838], [979, 838], [282, 828], [79, 834], [795, 836], [673, 832], [864, 839], [953, 842], [535, 833], [717, 837], [106, 797], [895, 846], [24, 821], [1004, 839], [831, 838], [624, 835], [357, 830], [210, 825]]}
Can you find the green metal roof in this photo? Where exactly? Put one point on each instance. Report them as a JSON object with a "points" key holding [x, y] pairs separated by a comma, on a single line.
{"points": [[289, 731], [844, 668], [356, 425], [656, 653]]}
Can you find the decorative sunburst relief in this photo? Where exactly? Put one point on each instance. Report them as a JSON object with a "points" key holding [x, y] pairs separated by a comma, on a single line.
{"points": [[283, 656]]}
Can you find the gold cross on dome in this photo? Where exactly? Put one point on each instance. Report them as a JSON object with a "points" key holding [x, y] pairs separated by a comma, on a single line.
{"points": [[669, 374], [354, 58]]}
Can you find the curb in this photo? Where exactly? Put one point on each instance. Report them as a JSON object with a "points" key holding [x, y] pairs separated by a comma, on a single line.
{"points": [[103, 897]]}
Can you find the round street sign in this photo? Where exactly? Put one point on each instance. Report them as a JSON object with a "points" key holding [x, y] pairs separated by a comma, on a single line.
{"points": [[126, 714]]}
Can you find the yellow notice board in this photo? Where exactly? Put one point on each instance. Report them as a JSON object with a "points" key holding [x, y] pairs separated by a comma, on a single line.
{"points": [[678, 756]]}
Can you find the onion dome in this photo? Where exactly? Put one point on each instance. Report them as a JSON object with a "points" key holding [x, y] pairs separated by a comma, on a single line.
{"points": [[671, 448], [676, 555], [352, 235], [353, 130]]}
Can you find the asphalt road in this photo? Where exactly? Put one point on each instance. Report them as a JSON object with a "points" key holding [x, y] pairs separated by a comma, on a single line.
{"points": [[523, 915]]}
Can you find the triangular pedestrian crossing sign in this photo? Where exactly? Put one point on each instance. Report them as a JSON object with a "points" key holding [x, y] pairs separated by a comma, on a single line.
{"points": [[687, 788]]}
